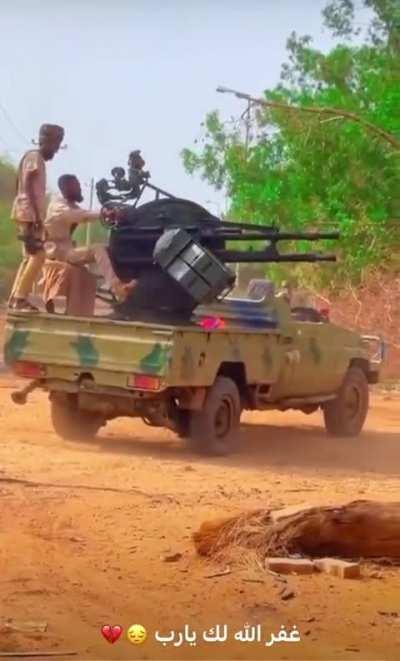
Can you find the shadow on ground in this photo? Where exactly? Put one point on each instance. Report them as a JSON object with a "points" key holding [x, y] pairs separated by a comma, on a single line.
{"points": [[283, 448]]}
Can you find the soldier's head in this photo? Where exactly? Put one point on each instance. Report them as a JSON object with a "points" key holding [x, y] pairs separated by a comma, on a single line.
{"points": [[50, 139], [118, 173], [70, 188], [135, 160]]}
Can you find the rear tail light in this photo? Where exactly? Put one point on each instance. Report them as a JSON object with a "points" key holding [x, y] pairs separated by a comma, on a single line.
{"points": [[212, 323], [28, 369], [325, 313], [144, 382]]}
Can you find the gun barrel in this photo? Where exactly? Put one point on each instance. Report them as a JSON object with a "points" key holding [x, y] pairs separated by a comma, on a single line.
{"points": [[268, 235], [315, 235], [266, 256], [230, 233], [307, 236], [246, 257]]}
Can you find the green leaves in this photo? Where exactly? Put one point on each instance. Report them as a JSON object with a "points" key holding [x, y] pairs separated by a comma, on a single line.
{"points": [[312, 169]]}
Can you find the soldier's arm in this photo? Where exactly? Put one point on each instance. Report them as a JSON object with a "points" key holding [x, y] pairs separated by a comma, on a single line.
{"points": [[30, 179], [86, 216], [78, 216]]}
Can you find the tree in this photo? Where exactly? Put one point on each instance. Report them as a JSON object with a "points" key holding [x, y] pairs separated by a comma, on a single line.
{"points": [[9, 250], [304, 168]]}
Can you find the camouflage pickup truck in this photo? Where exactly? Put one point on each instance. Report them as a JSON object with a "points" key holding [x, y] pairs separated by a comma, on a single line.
{"points": [[195, 379]]}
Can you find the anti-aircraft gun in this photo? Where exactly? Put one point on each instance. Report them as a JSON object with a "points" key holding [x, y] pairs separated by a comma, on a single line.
{"points": [[178, 252]]}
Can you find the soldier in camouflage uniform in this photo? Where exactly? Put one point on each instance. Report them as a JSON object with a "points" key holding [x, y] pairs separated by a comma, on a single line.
{"points": [[29, 212]]}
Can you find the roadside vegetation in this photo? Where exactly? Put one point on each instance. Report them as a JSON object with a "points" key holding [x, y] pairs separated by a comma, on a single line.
{"points": [[318, 167]]}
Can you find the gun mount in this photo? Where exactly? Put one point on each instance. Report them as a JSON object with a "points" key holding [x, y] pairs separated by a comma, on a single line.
{"points": [[136, 230], [125, 189]]}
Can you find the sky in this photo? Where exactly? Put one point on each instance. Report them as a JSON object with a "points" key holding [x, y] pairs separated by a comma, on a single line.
{"points": [[138, 74]]}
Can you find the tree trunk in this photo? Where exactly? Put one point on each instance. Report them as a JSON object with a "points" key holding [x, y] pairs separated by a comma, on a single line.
{"points": [[362, 528]]}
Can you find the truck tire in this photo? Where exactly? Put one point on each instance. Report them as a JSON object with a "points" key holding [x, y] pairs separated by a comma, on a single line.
{"points": [[215, 429], [181, 424], [69, 422], [345, 415]]}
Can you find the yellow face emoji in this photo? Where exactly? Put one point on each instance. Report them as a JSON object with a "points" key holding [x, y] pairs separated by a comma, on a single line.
{"points": [[136, 634]]}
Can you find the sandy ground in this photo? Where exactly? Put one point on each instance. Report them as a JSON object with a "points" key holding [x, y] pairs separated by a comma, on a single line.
{"points": [[83, 529]]}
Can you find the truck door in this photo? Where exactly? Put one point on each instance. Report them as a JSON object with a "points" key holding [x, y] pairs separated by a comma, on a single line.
{"points": [[309, 360]]}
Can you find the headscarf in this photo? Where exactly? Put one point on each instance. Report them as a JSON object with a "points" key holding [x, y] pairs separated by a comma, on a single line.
{"points": [[51, 132]]}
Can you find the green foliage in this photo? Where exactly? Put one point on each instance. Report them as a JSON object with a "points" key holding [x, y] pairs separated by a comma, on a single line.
{"points": [[7, 181], [304, 170], [98, 234], [10, 248]]}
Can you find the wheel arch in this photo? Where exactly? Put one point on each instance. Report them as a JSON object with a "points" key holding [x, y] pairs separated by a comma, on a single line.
{"points": [[236, 371], [364, 365]]}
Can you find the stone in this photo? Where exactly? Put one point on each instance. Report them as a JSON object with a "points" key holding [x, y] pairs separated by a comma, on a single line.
{"points": [[277, 515], [26, 626], [340, 568], [171, 557], [290, 565], [287, 594]]}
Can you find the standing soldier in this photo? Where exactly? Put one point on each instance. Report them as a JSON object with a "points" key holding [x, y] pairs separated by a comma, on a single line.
{"points": [[137, 176], [29, 212]]}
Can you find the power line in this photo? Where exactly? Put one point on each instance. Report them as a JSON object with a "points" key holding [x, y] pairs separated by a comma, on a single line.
{"points": [[7, 148], [13, 125], [5, 143]]}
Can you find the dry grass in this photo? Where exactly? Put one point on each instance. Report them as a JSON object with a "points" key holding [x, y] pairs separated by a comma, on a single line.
{"points": [[373, 308], [358, 529], [234, 538]]}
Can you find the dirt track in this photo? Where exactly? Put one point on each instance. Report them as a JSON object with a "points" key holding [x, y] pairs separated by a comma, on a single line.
{"points": [[82, 534]]}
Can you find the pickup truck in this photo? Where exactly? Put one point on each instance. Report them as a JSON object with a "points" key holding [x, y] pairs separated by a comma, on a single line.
{"points": [[196, 378]]}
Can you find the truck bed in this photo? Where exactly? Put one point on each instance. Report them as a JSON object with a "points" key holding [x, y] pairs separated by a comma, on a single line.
{"points": [[261, 344], [114, 351]]}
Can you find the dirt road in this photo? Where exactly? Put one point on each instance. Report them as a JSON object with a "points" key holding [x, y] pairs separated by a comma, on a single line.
{"points": [[83, 528]]}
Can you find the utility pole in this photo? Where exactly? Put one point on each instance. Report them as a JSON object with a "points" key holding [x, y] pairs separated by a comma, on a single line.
{"points": [[89, 225], [317, 110], [247, 118]]}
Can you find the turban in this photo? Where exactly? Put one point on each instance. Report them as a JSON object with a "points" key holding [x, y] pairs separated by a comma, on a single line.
{"points": [[51, 131]]}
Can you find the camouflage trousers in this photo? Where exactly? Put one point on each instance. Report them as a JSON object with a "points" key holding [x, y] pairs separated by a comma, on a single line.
{"points": [[30, 266]]}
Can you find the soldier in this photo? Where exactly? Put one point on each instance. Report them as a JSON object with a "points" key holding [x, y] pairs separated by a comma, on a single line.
{"points": [[137, 176], [63, 215], [29, 211]]}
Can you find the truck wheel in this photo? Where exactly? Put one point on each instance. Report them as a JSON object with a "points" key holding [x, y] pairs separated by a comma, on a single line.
{"points": [[69, 422], [181, 423], [345, 415], [214, 429]]}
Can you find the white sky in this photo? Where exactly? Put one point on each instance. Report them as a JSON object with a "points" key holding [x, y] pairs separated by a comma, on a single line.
{"points": [[128, 74]]}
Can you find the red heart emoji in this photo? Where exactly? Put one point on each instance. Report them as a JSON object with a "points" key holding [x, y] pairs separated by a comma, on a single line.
{"points": [[111, 632]]}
